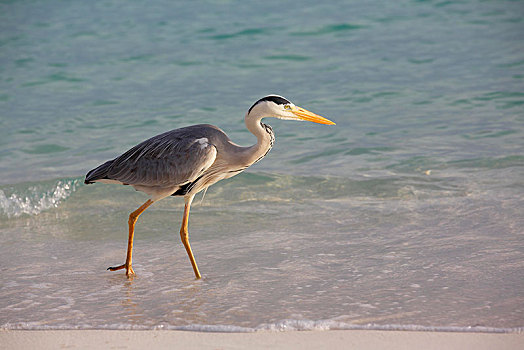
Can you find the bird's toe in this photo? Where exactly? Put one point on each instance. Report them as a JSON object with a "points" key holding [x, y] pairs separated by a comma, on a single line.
{"points": [[116, 268]]}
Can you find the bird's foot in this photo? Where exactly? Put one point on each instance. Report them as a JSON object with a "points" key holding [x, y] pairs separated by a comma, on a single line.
{"points": [[129, 269]]}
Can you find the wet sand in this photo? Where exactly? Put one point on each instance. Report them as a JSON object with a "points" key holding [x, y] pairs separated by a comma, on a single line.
{"points": [[343, 339]]}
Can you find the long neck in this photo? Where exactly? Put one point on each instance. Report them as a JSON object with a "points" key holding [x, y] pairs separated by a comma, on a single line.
{"points": [[264, 134]]}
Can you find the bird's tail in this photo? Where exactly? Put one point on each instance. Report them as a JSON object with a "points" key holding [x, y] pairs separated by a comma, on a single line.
{"points": [[98, 173]]}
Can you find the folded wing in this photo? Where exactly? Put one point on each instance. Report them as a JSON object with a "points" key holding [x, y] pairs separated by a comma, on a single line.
{"points": [[171, 159]]}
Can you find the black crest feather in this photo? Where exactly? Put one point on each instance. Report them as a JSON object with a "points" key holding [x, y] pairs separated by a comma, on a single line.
{"points": [[273, 98]]}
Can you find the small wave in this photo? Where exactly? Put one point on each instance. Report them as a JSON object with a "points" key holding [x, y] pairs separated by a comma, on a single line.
{"points": [[250, 32], [289, 325], [330, 29], [32, 200], [322, 325]]}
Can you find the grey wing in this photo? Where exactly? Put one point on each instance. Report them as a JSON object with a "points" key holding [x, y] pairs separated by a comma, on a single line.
{"points": [[166, 160]]}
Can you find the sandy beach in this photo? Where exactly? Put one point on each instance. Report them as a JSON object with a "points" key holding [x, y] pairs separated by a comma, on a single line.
{"points": [[354, 339]]}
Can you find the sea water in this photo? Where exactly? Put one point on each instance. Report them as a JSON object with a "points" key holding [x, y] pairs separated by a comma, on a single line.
{"points": [[408, 214]]}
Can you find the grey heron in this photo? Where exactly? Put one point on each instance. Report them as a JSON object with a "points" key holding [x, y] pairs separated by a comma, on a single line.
{"points": [[185, 161]]}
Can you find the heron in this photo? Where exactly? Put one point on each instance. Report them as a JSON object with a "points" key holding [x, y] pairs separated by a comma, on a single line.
{"points": [[185, 161]]}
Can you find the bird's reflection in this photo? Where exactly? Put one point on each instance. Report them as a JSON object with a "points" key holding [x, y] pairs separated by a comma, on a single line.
{"points": [[179, 303]]}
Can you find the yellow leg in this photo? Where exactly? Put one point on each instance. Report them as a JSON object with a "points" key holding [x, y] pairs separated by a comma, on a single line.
{"points": [[133, 217], [184, 235]]}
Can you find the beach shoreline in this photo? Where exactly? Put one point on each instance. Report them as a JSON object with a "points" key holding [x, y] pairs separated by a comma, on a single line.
{"points": [[334, 339]]}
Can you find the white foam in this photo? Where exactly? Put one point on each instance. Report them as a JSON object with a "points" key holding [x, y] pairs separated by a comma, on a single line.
{"points": [[288, 325], [322, 325], [34, 199]]}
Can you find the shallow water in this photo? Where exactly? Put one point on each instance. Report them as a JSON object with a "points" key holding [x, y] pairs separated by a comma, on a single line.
{"points": [[405, 215]]}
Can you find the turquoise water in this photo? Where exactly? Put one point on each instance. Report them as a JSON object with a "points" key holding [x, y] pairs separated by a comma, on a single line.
{"points": [[407, 214]]}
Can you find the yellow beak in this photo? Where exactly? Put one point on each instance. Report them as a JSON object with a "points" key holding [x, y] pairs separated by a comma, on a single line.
{"points": [[304, 114]]}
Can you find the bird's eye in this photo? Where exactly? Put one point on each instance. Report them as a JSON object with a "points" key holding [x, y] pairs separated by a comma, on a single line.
{"points": [[288, 107]]}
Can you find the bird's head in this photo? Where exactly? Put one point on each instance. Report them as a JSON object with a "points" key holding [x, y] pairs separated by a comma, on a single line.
{"points": [[279, 107]]}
